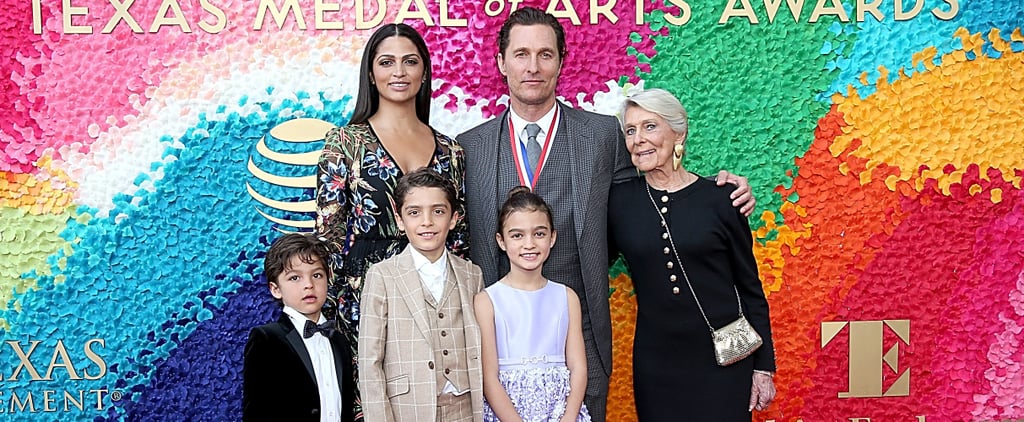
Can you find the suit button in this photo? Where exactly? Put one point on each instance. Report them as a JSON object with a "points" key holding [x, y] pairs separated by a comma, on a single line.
{"points": [[440, 315], [444, 352], [444, 334], [430, 365], [447, 371]]}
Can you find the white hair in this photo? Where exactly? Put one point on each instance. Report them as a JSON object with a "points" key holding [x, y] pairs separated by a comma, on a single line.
{"points": [[660, 102]]}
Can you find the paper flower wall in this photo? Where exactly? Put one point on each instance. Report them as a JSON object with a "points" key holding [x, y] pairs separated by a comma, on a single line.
{"points": [[882, 193]]}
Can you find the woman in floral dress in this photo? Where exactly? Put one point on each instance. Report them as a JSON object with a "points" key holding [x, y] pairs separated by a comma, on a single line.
{"points": [[361, 163]]}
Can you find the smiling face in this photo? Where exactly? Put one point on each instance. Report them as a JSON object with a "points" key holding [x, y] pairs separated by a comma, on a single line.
{"points": [[302, 286], [527, 238], [531, 64], [649, 139], [397, 70], [426, 217]]}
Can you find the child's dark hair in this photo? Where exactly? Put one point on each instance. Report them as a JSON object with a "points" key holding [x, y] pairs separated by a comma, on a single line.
{"points": [[425, 177], [521, 198], [303, 245]]}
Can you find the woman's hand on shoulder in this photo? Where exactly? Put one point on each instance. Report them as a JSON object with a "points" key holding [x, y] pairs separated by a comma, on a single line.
{"points": [[742, 197]]}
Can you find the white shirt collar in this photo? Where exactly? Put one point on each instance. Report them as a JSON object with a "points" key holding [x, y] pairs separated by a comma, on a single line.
{"points": [[299, 320], [432, 274], [519, 124], [421, 261]]}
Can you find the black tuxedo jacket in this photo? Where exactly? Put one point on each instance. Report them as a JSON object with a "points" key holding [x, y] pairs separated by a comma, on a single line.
{"points": [[278, 379]]}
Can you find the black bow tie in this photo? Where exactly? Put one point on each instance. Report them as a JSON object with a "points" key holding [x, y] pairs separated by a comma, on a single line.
{"points": [[311, 328]]}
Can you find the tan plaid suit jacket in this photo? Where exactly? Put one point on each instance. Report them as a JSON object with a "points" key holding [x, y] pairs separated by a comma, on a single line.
{"points": [[395, 351]]}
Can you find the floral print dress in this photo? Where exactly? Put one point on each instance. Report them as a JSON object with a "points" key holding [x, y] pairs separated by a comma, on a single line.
{"points": [[356, 178]]}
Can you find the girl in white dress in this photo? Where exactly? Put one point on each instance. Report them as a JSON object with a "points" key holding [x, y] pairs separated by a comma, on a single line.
{"points": [[534, 362]]}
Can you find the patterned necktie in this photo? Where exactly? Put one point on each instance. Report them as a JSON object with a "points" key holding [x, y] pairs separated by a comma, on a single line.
{"points": [[532, 146], [327, 328]]}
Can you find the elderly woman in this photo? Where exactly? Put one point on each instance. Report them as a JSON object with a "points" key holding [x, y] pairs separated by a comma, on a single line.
{"points": [[690, 255]]}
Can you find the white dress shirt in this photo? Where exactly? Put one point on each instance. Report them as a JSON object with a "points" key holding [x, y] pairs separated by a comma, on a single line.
{"points": [[322, 356], [432, 274], [519, 125]]}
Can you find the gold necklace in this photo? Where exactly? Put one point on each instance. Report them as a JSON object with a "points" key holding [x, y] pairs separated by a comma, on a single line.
{"points": [[682, 184]]}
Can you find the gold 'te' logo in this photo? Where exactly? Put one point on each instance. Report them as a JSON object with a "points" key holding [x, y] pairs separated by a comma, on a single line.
{"points": [[866, 356]]}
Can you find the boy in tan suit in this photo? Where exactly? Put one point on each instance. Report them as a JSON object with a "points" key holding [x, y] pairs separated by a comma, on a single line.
{"points": [[419, 343]]}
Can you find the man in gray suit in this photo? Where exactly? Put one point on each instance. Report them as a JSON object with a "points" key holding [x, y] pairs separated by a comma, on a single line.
{"points": [[571, 158]]}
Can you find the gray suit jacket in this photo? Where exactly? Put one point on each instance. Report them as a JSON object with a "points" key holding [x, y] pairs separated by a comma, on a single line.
{"points": [[599, 160]]}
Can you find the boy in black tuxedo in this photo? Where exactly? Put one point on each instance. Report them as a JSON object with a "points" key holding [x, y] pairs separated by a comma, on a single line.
{"points": [[298, 368]]}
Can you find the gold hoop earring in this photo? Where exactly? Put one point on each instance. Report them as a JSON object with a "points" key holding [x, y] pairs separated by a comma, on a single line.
{"points": [[677, 155]]}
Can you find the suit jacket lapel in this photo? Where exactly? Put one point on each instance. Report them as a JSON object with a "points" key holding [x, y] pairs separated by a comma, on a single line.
{"points": [[466, 296], [411, 289], [295, 340], [574, 131]]}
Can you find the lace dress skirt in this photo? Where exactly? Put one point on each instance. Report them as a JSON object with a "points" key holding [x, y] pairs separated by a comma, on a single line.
{"points": [[538, 392]]}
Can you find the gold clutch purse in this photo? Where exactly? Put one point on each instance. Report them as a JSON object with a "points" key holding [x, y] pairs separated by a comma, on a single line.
{"points": [[735, 341]]}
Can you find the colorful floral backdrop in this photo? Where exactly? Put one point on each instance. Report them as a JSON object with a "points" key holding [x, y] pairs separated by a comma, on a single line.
{"points": [[887, 158]]}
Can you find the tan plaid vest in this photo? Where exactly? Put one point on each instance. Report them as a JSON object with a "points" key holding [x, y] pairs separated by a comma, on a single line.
{"points": [[448, 336]]}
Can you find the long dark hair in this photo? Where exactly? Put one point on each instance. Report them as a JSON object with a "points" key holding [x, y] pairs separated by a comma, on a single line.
{"points": [[368, 99]]}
